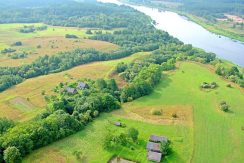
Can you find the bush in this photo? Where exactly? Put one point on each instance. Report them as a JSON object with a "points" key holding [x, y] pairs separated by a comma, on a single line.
{"points": [[228, 85], [174, 115], [18, 43], [89, 32], [165, 147], [156, 112], [133, 134], [224, 106], [206, 85], [70, 36], [12, 155]]}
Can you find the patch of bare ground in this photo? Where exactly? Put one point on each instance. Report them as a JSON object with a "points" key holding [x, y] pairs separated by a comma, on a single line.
{"points": [[170, 114]]}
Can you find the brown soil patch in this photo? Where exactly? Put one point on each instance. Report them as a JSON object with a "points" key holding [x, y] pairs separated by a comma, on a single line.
{"points": [[184, 114]]}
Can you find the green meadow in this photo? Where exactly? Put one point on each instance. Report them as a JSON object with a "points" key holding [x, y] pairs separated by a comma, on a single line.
{"points": [[90, 143], [213, 135]]}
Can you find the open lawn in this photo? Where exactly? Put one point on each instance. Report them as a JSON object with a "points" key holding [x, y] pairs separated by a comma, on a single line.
{"points": [[30, 91], [50, 42], [217, 136]]}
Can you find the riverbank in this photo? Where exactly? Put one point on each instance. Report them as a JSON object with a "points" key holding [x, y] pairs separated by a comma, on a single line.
{"points": [[213, 28]]}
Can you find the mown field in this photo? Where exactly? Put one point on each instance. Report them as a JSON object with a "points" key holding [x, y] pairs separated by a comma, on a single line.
{"points": [[201, 133], [51, 41]]}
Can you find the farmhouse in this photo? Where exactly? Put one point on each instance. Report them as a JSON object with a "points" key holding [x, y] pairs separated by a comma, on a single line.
{"points": [[156, 139], [82, 85], [154, 156], [155, 147], [71, 90]]}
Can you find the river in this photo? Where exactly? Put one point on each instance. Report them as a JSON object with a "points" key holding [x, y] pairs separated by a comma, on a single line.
{"points": [[192, 33]]}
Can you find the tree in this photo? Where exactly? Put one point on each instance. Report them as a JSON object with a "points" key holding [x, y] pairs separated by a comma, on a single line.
{"points": [[133, 134], [5, 124], [18, 43], [12, 155], [165, 147], [89, 32]]}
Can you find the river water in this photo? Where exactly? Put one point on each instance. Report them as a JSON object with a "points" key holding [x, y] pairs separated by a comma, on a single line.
{"points": [[192, 33]]}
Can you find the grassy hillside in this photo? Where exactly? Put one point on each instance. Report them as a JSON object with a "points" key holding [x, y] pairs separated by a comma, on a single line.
{"points": [[215, 133]]}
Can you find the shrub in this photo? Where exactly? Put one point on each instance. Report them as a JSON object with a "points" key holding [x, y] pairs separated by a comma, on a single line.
{"points": [[38, 46], [70, 36], [18, 43], [174, 115], [165, 147], [12, 155], [133, 134], [156, 112], [228, 85], [224, 106], [95, 113]]}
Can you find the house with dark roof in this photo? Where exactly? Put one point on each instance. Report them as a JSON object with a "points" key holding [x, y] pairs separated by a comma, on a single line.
{"points": [[70, 90], [82, 85], [157, 139], [154, 156], [155, 147]]}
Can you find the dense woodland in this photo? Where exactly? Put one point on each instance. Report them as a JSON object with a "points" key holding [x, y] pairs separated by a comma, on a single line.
{"points": [[72, 14]]}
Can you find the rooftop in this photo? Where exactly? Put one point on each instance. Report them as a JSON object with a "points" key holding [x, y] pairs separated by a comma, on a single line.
{"points": [[154, 156], [156, 147], [155, 138]]}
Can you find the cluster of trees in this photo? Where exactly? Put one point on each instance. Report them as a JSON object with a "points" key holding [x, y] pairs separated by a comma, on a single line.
{"points": [[180, 52], [31, 28], [101, 96], [5, 124], [231, 73], [142, 84], [18, 55], [24, 138], [7, 50], [123, 139], [65, 115], [140, 36], [51, 64]]}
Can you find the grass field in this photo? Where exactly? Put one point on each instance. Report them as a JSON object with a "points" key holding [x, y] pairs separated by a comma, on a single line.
{"points": [[51, 41], [29, 93], [202, 133], [90, 142]]}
